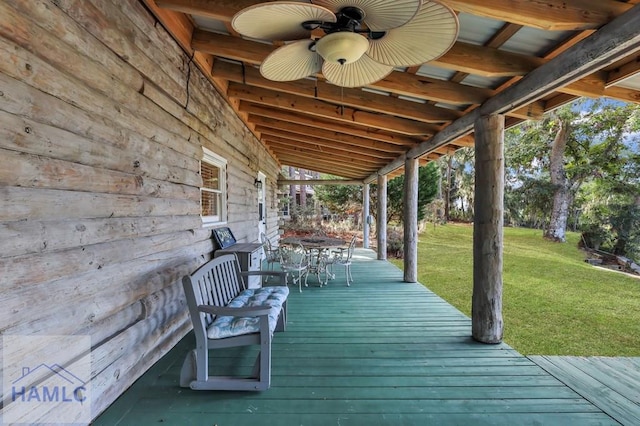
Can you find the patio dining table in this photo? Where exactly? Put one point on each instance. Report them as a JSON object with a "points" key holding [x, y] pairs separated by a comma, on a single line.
{"points": [[318, 249]]}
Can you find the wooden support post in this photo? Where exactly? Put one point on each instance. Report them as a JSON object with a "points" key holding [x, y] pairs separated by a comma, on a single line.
{"points": [[365, 215], [292, 193], [381, 223], [411, 220], [302, 174], [487, 324]]}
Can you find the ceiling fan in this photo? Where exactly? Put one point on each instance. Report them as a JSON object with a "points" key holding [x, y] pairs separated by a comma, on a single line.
{"points": [[353, 42]]}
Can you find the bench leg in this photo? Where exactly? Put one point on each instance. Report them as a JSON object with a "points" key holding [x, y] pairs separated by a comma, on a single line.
{"points": [[282, 318], [188, 372], [264, 358], [261, 375]]}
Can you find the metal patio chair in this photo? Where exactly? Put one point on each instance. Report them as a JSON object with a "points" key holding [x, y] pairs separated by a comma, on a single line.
{"points": [[343, 257], [294, 260]]}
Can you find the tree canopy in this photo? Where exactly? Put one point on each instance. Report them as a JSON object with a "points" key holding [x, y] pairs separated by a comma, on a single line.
{"points": [[347, 199], [598, 168]]}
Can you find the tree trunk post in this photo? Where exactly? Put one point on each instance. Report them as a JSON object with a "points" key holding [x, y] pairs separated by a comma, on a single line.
{"points": [[365, 215], [381, 224], [292, 193], [447, 199], [487, 324], [303, 190], [562, 197], [411, 220]]}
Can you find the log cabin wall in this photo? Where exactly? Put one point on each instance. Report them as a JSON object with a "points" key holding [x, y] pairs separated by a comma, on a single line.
{"points": [[102, 123]]}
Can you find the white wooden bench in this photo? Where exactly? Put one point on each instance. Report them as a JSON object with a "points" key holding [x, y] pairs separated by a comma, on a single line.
{"points": [[225, 313]]}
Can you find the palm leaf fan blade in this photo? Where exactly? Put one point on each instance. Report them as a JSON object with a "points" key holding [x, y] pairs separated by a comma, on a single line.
{"points": [[380, 15], [426, 37], [280, 20], [292, 61]]}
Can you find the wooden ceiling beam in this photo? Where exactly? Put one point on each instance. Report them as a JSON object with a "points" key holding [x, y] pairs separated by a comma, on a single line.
{"points": [[327, 134], [533, 111], [486, 61], [397, 82], [503, 35], [283, 144], [467, 57], [255, 110], [326, 110], [553, 15], [569, 15], [230, 47], [470, 58], [315, 182], [623, 72], [222, 10], [623, 94], [432, 89], [371, 148], [320, 90], [322, 146], [559, 100], [329, 169], [321, 165], [595, 86], [463, 142], [298, 136]]}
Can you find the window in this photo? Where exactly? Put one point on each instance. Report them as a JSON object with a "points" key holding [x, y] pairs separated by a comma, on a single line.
{"points": [[213, 193]]}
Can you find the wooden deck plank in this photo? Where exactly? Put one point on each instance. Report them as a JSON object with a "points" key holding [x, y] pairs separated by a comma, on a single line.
{"points": [[379, 352], [360, 419], [614, 373], [587, 377], [340, 405]]}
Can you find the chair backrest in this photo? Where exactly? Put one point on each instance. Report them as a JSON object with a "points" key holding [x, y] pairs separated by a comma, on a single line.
{"points": [[270, 252], [214, 283], [352, 246], [293, 255]]}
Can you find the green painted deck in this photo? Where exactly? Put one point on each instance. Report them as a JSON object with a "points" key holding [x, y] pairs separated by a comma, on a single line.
{"points": [[381, 352], [612, 384]]}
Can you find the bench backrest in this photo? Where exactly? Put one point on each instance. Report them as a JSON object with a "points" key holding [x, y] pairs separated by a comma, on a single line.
{"points": [[215, 283]]}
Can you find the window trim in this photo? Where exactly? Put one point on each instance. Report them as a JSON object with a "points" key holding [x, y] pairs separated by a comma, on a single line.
{"points": [[215, 160]]}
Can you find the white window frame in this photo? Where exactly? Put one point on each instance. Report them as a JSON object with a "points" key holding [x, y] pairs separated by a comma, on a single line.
{"points": [[215, 160]]}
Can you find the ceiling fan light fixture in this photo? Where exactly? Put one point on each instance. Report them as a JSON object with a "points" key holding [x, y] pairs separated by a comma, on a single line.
{"points": [[342, 47]]}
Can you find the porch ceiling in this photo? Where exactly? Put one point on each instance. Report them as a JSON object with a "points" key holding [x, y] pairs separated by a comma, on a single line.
{"points": [[357, 133]]}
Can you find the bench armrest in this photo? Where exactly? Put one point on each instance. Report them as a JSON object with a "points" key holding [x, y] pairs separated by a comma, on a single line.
{"points": [[253, 311], [281, 275]]}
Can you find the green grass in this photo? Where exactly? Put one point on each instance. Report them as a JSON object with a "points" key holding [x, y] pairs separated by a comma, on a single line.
{"points": [[553, 302]]}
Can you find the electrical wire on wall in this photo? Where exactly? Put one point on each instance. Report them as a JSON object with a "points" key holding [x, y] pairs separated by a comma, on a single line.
{"points": [[189, 78]]}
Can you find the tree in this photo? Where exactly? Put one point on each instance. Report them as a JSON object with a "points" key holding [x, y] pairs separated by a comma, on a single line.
{"points": [[576, 143], [459, 171], [347, 199], [611, 209], [341, 199], [427, 189], [564, 188]]}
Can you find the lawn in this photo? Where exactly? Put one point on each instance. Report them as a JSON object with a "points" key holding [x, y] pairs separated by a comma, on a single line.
{"points": [[553, 302]]}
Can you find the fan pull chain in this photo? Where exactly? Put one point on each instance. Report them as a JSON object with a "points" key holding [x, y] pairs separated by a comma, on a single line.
{"points": [[342, 91]]}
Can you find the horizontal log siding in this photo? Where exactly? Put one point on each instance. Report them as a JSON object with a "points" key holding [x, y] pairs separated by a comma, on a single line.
{"points": [[102, 123]]}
